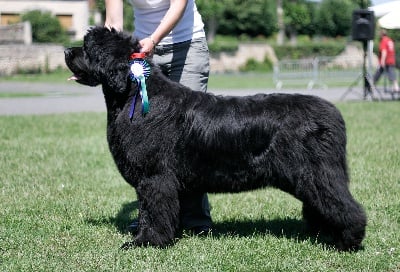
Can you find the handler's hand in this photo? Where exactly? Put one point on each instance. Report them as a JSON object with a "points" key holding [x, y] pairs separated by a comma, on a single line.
{"points": [[147, 45]]}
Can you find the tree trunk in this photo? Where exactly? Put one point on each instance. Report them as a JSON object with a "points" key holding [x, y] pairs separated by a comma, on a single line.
{"points": [[281, 24], [293, 37], [212, 25]]}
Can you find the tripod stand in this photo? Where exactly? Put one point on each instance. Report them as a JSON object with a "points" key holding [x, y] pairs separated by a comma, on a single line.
{"points": [[369, 87]]}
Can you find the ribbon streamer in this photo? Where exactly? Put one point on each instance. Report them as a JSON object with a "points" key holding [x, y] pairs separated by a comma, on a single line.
{"points": [[139, 72]]}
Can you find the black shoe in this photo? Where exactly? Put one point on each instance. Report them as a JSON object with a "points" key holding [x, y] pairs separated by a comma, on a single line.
{"points": [[134, 226]]}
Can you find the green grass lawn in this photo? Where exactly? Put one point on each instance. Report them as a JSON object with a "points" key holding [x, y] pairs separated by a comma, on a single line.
{"points": [[225, 81], [56, 76], [251, 80], [64, 206]]}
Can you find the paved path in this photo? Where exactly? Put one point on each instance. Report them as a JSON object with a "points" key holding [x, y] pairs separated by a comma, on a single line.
{"points": [[73, 97], [54, 98]]}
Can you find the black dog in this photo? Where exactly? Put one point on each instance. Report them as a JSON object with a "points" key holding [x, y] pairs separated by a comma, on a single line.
{"points": [[192, 142]]}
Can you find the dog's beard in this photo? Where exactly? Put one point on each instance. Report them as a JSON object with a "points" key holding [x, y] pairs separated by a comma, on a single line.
{"points": [[78, 64], [84, 79], [73, 77]]}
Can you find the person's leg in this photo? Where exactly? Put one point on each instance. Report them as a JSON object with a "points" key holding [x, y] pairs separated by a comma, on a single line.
{"points": [[195, 63], [395, 86], [188, 64], [377, 74], [391, 73], [195, 213]]}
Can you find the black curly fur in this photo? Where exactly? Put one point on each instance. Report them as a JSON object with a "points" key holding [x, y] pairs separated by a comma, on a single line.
{"points": [[193, 142]]}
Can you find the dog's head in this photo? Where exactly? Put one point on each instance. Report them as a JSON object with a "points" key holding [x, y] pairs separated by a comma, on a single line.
{"points": [[103, 59]]}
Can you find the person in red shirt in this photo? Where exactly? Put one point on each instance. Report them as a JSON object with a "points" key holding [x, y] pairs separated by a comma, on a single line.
{"points": [[387, 60]]}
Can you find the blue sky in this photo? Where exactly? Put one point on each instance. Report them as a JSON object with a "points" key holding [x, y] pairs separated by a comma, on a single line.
{"points": [[377, 2]]}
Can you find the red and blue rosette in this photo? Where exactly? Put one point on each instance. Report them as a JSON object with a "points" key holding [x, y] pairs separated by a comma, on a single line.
{"points": [[139, 72]]}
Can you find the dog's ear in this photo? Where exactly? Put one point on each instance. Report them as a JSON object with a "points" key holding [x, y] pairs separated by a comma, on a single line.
{"points": [[135, 45], [118, 76], [118, 70]]}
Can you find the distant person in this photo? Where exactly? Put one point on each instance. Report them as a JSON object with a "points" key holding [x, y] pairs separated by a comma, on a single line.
{"points": [[387, 60]]}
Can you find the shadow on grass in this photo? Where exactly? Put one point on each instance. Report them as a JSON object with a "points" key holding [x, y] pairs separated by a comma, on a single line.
{"points": [[122, 219], [289, 228]]}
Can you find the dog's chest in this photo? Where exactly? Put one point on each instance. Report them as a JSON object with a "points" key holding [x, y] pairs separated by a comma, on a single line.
{"points": [[140, 147]]}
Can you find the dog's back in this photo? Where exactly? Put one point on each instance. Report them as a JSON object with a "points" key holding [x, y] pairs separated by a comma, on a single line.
{"points": [[241, 140]]}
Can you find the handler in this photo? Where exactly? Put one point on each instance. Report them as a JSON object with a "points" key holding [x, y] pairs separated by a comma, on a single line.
{"points": [[172, 31]]}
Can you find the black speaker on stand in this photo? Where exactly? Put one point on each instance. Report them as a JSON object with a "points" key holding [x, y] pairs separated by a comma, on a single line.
{"points": [[363, 25], [363, 30]]}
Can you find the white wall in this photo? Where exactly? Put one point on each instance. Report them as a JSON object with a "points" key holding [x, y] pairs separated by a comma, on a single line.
{"points": [[78, 9]]}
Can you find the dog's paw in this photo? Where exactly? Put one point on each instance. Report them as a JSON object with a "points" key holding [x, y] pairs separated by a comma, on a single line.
{"points": [[137, 243], [128, 245]]}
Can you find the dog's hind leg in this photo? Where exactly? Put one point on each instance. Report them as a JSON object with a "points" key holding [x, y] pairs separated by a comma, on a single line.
{"points": [[158, 212], [329, 207]]}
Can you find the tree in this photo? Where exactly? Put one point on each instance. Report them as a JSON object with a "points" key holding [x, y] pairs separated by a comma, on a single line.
{"points": [[252, 18], [45, 27], [334, 17], [128, 13], [281, 22], [210, 11], [296, 17], [362, 3]]}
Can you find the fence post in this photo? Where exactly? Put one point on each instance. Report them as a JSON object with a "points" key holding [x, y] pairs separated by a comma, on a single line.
{"points": [[316, 69], [27, 30]]}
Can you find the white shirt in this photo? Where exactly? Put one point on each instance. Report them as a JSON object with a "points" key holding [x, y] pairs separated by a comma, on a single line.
{"points": [[149, 13]]}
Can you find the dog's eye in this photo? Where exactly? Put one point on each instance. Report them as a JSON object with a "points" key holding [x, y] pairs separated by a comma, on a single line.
{"points": [[86, 56]]}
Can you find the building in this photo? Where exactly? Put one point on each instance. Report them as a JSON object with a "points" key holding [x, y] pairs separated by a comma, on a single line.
{"points": [[73, 14]]}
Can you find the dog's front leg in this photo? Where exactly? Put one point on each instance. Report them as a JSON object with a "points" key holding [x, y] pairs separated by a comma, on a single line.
{"points": [[158, 212]]}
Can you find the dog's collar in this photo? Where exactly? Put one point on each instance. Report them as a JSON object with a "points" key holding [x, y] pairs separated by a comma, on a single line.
{"points": [[140, 55], [139, 71]]}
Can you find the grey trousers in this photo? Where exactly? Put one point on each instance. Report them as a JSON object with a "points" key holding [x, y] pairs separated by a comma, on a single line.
{"points": [[188, 63]]}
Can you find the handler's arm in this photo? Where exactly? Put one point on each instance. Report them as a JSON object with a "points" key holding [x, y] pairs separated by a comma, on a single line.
{"points": [[114, 14], [171, 18], [383, 57]]}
